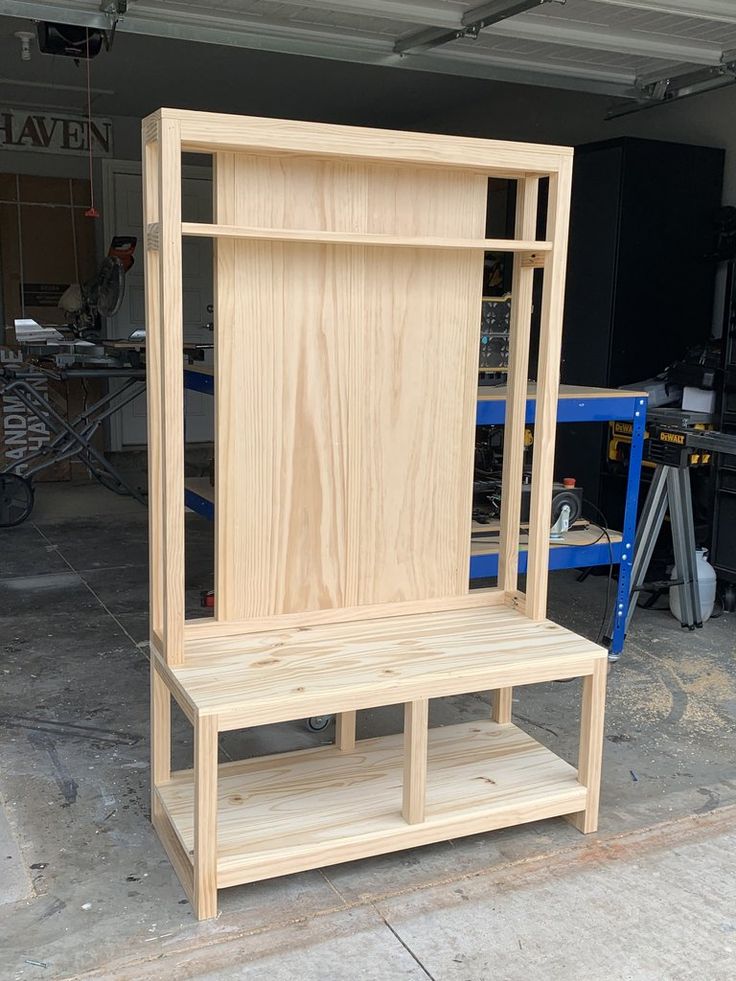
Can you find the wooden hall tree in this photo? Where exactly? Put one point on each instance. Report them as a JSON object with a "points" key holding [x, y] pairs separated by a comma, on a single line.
{"points": [[348, 269]]}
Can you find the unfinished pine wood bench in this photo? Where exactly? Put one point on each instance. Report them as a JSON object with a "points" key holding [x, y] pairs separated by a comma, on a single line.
{"points": [[348, 270]]}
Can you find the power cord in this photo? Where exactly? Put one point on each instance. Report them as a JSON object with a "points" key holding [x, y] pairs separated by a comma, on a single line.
{"points": [[609, 580], [604, 533]]}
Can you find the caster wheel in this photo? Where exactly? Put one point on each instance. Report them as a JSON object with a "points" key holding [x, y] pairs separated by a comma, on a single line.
{"points": [[16, 499], [318, 722]]}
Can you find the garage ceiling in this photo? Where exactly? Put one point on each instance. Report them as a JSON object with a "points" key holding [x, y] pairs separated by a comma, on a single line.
{"points": [[648, 51]]}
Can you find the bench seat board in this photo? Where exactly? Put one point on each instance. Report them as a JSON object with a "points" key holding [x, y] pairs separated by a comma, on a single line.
{"points": [[298, 672]]}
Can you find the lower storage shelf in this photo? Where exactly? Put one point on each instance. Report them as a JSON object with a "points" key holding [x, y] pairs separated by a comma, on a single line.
{"points": [[301, 810]]}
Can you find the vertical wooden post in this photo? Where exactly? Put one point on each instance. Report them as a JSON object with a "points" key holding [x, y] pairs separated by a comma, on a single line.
{"points": [[205, 817], [416, 734], [151, 215], [516, 392], [345, 731], [527, 195], [501, 705], [160, 734], [548, 384], [172, 389], [228, 352], [591, 745]]}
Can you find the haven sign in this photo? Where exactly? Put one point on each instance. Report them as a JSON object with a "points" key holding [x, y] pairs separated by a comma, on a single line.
{"points": [[54, 132]]}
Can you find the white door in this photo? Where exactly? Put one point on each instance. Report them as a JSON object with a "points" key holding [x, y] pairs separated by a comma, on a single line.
{"points": [[124, 216]]}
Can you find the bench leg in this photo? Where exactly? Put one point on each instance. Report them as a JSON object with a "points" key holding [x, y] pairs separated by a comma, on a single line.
{"points": [[345, 731], [591, 745], [205, 817], [416, 734], [501, 705], [160, 734]]}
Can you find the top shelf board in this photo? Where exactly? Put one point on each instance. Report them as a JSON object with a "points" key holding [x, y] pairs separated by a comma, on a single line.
{"points": [[320, 237], [364, 238], [201, 132], [499, 393]]}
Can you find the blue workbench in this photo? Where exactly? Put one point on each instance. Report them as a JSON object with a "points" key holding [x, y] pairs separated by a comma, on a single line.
{"points": [[576, 404]]}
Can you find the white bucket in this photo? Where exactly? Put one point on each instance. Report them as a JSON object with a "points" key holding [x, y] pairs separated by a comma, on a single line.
{"points": [[706, 576]]}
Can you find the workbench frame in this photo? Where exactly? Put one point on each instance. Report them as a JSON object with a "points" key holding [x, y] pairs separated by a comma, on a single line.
{"points": [[348, 594], [579, 404]]}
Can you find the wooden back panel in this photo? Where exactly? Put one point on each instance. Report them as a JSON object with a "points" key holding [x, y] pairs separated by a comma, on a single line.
{"points": [[348, 272], [345, 385]]}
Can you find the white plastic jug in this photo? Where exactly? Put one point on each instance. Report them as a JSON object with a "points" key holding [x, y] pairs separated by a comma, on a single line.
{"points": [[706, 576]]}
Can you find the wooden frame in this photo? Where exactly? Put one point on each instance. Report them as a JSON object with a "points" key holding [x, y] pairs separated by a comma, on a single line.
{"points": [[345, 411]]}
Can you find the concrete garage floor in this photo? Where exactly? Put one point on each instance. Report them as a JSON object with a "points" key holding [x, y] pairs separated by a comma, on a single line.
{"points": [[86, 890]]}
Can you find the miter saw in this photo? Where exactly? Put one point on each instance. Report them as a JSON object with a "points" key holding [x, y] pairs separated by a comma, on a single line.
{"points": [[84, 306]]}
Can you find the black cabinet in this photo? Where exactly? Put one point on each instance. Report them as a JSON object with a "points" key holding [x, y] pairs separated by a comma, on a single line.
{"points": [[639, 288], [723, 545]]}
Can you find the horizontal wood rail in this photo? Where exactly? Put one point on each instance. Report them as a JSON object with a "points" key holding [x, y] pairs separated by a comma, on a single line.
{"points": [[215, 132], [317, 237], [205, 629]]}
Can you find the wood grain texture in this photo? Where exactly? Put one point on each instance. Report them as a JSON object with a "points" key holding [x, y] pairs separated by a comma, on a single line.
{"points": [[328, 453], [179, 855], [207, 132], [487, 543], [177, 690], [591, 746], [205, 817], [160, 727], [150, 129], [500, 393], [548, 380], [516, 600], [416, 732], [347, 237], [152, 237], [206, 629], [154, 394], [170, 412], [345, 731], [518, 374], [501, 705], [299, 672], [295, 811]]}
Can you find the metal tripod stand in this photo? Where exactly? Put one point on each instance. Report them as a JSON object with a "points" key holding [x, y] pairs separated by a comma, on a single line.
{"points": [[670, 487], [670, 490]]}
